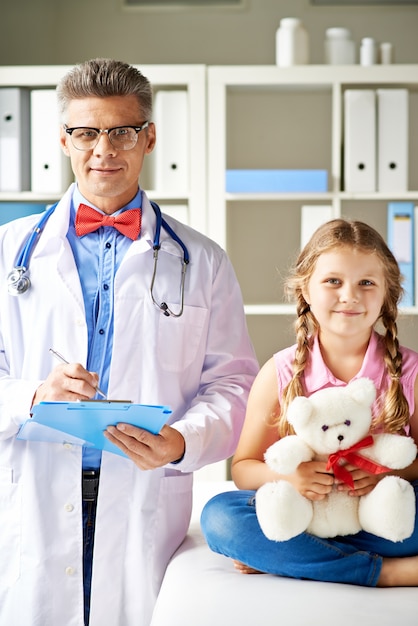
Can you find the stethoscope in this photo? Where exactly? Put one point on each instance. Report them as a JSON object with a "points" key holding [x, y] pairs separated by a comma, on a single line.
{"points": [[18, 281]]}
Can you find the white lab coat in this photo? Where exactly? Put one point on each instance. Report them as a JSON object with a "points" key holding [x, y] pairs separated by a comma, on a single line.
{"points": [[201, 365]]}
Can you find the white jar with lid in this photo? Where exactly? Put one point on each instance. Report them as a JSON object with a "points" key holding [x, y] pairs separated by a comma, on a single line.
{"points": [[292, 43], [339, 47], [368, 51]]}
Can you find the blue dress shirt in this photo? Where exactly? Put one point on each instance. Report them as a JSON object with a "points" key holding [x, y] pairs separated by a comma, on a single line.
{"points": [[98, 256]]}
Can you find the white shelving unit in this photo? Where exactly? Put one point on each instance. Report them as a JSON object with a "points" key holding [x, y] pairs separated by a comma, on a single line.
{"points": [[191, 78], [266, 117]]}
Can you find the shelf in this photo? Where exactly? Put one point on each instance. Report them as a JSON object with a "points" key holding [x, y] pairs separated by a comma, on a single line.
{"points": [[303, 197], [270, 309], [266, 117]]}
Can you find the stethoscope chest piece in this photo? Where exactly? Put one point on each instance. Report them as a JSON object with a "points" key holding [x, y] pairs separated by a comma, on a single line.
{"points": [[17, 283]]}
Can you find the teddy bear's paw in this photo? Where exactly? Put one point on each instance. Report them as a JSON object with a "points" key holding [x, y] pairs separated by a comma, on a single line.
{"points": [[284, 456], [389, 510], [394, 451], [281, 511]]}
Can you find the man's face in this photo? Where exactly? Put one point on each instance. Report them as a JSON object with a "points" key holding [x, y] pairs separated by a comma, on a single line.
{"points": [[107, 177]]}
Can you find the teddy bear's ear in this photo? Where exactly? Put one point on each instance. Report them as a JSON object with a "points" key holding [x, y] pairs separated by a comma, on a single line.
{"points": [[362, 391], [299, 411]]}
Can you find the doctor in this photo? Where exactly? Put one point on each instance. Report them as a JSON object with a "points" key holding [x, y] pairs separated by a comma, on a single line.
{"points": [[85, 536]]}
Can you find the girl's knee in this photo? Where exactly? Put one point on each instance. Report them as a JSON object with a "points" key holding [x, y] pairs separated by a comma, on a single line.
{"points": [[222, 515]]}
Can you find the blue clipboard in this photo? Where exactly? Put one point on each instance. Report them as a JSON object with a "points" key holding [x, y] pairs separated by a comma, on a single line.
{"points": [[83, 423]]}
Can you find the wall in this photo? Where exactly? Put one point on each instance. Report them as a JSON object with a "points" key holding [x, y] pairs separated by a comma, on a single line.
{"points": [[38, 32]]}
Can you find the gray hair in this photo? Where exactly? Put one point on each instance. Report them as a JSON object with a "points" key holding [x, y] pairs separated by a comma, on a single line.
{"points": [[104, 78]]}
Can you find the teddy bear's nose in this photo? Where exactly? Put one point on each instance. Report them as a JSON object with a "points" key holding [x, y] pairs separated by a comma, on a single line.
{"points": [[340, 437]]}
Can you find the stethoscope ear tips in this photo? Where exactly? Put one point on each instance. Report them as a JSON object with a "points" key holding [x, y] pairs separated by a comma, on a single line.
{"points": [[17, 283]]}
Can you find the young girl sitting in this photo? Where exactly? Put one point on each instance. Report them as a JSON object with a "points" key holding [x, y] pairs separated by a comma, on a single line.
{"points": [[344, 282]]}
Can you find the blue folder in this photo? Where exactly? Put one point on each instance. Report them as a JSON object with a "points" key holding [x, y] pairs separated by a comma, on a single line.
{"points": [[83, 423], [400, 237], [276, 181]]}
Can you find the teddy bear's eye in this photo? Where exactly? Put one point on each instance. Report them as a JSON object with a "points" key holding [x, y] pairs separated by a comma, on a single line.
{"points": [[347, 422], [325, 427]]}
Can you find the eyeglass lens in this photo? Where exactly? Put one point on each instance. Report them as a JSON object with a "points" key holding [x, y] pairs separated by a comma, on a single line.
{"points": [[123, 138]]}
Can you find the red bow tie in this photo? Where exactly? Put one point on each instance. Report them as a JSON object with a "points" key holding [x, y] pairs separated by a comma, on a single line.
{"points": [[88, 220]]}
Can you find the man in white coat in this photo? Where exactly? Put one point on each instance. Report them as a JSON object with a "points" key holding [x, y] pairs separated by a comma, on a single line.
{"points": [[85, 535]]}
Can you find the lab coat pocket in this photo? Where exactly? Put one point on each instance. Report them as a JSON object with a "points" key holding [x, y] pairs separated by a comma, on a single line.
{"points": [[10, 532], [172, 515], [179, 338]]}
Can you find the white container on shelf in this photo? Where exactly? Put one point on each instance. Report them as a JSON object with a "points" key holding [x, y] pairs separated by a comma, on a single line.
{"points": [[339, 48], [292, 43], [386, 53], [368, 51]]}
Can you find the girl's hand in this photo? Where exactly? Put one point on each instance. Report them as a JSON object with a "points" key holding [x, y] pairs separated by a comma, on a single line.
{"points": [[312, 480], [363, 482]]}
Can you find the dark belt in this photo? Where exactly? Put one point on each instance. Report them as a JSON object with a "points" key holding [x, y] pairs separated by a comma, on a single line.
{"points": [[90, 485]]}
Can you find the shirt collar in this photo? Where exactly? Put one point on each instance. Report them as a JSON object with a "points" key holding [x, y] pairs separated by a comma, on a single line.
{"points": [[318, 376], [78, 199]]}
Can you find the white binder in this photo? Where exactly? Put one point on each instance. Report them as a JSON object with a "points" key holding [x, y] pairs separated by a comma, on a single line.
{"points": [[14, 139], [51, 169], [171, 152], [180, 212], [392, 140], [359, 140], [312, 217]]}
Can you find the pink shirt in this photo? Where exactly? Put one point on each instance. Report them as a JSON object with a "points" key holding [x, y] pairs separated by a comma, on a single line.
{"points": [[317, 375]]}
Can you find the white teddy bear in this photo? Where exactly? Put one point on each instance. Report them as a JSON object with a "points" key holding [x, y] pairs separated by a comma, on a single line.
{"points": [[331, 425]]}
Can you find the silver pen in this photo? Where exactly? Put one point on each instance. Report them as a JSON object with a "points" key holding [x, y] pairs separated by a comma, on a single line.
{"points": [[59, 356]]}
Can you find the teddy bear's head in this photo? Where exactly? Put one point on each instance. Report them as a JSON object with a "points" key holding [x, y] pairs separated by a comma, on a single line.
{"points": [[335, 418]]}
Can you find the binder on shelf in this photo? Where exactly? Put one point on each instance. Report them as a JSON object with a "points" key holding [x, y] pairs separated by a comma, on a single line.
{"points": [[12, 210], [392, 140], [51, 169], [171, 153], [14, 139], [312, 217], [359, 140], [276, 181], [400, 238], [180, 212]]}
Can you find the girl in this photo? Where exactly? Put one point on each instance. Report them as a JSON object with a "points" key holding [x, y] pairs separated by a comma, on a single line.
{"points": [[344, 282]]}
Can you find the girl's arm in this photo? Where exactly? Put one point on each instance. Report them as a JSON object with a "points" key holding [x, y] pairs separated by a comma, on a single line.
{"points": [[249, 470], [411, 473], [259, 431]]}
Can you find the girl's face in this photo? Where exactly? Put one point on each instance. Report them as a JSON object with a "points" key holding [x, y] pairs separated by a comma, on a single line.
{"points": [[346, 291]]}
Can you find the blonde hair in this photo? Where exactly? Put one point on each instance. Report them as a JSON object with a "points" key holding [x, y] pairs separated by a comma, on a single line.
{"points": [[339, 233]]}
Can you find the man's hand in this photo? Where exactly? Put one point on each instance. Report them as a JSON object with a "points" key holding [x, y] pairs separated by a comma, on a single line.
{"points": [[146, 450], [67, 382]]}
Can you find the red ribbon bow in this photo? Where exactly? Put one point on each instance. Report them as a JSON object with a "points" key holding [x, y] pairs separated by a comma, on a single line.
{"points": [[88, 220], [350, 456]]}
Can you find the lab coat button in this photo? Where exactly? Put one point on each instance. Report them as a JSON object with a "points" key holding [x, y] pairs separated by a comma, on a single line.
{"points": [[68, 446], [80, 321], [69, 508], [69, 570]]}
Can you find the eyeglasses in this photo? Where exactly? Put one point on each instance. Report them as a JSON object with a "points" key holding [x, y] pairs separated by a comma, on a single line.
{"points": [[121, 137]]}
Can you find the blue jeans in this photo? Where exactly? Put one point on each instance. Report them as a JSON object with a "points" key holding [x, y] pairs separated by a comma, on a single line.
{"points": [[230, 526], [89, 519]]}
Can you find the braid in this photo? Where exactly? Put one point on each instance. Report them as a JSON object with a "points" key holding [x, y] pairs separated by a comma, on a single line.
{"points": [[303, 327], [394, 414]]}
